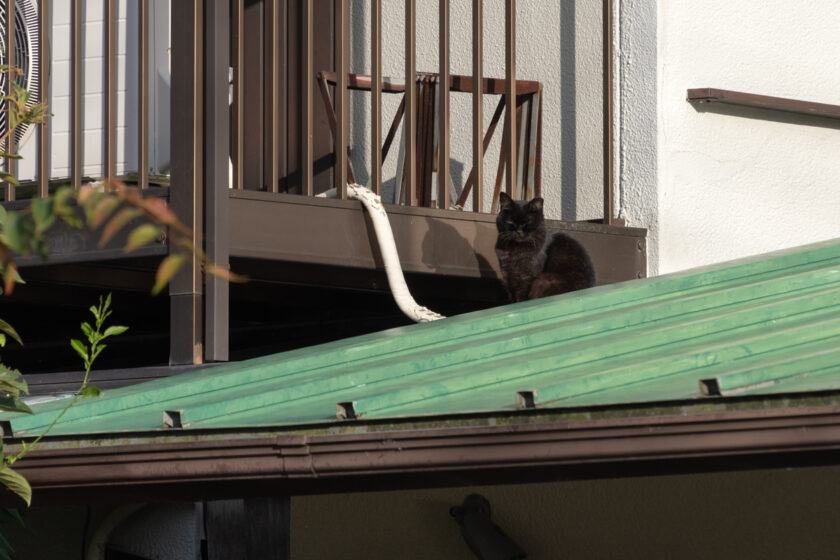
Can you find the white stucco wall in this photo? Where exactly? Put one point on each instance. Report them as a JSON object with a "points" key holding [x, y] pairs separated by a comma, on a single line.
{"points": [[741, 182], [558, 44]]}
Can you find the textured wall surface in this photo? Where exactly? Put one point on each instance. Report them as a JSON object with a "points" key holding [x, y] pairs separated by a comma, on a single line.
{"points": [[758, 514], [739, 182]]}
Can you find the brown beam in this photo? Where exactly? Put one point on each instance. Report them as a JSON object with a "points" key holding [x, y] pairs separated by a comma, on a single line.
{"points": [[216, 154], [186, 194]]}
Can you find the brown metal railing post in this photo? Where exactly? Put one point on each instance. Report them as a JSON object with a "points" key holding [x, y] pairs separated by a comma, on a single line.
{"points": [[410, 124], [185, 195], [443, 108], [238, 89], [510, 96], [10, 147], [44, 94], [275, 97], [608, 112], [216, 154], [341, 105], [143, 97], [306, 78], [76, 165], [376, 96], [110, 121], [478, 106]]}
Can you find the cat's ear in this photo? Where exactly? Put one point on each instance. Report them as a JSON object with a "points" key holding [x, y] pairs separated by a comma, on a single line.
{"points": [[536, 205], [505, 201]]}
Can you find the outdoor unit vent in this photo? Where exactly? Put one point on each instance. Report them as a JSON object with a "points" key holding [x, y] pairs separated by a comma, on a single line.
{"points": [[27, 56]]}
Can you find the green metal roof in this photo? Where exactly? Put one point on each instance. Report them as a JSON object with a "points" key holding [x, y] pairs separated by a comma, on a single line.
{"points": [[765, 324]]}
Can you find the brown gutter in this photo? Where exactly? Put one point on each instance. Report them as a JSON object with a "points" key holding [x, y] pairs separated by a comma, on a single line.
{"points": [[312, 463]]}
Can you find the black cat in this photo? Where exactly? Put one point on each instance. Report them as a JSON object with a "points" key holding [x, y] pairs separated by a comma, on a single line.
{"points": [[533, 265]]}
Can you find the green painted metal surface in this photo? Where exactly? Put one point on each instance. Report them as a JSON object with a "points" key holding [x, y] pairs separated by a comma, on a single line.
{"points": [[768, 324]]}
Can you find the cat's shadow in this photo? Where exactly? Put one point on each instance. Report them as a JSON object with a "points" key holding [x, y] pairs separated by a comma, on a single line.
{"points": [[445, 244]]}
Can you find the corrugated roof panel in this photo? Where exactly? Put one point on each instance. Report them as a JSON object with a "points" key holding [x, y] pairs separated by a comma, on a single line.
{"points": [[759, 325]]}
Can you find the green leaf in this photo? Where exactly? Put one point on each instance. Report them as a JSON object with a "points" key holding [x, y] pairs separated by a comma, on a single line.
{"points": [[13, 404], [91, 391], [2, 340], [42, 213], [80, 348], [114, 330], [9, 178], [88, 331], [140, 236], [104, 208], [166, 271], [17, 230], [15, 482], [95, 310], [7, 328], [116, 223]]}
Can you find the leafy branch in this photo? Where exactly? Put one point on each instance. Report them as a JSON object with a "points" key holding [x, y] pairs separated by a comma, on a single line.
{"points": [[88, 352]]}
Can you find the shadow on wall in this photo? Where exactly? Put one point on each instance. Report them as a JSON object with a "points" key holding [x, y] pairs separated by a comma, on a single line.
{"points": [[766, 115]]}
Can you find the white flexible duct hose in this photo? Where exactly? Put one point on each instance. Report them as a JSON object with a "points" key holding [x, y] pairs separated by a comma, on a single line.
{"points": [[388, 248]]}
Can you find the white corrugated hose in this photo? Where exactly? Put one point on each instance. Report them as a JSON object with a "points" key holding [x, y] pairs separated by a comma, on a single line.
{"points": [[388, 248]]}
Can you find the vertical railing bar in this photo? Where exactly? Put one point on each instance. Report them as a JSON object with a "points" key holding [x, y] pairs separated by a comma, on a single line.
{"points": [[44, 90], [272, 147], [510, 95], [143, 108], [410, 124], [443, 108], [478, 107], [306, 77], [608, 111], [76, 166], [10, 147], [341, 108], [238, 90], [376, 96], [111, 88]]}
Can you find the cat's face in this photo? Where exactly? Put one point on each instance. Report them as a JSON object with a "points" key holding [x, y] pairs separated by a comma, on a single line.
{"points": [[519, 222]]}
